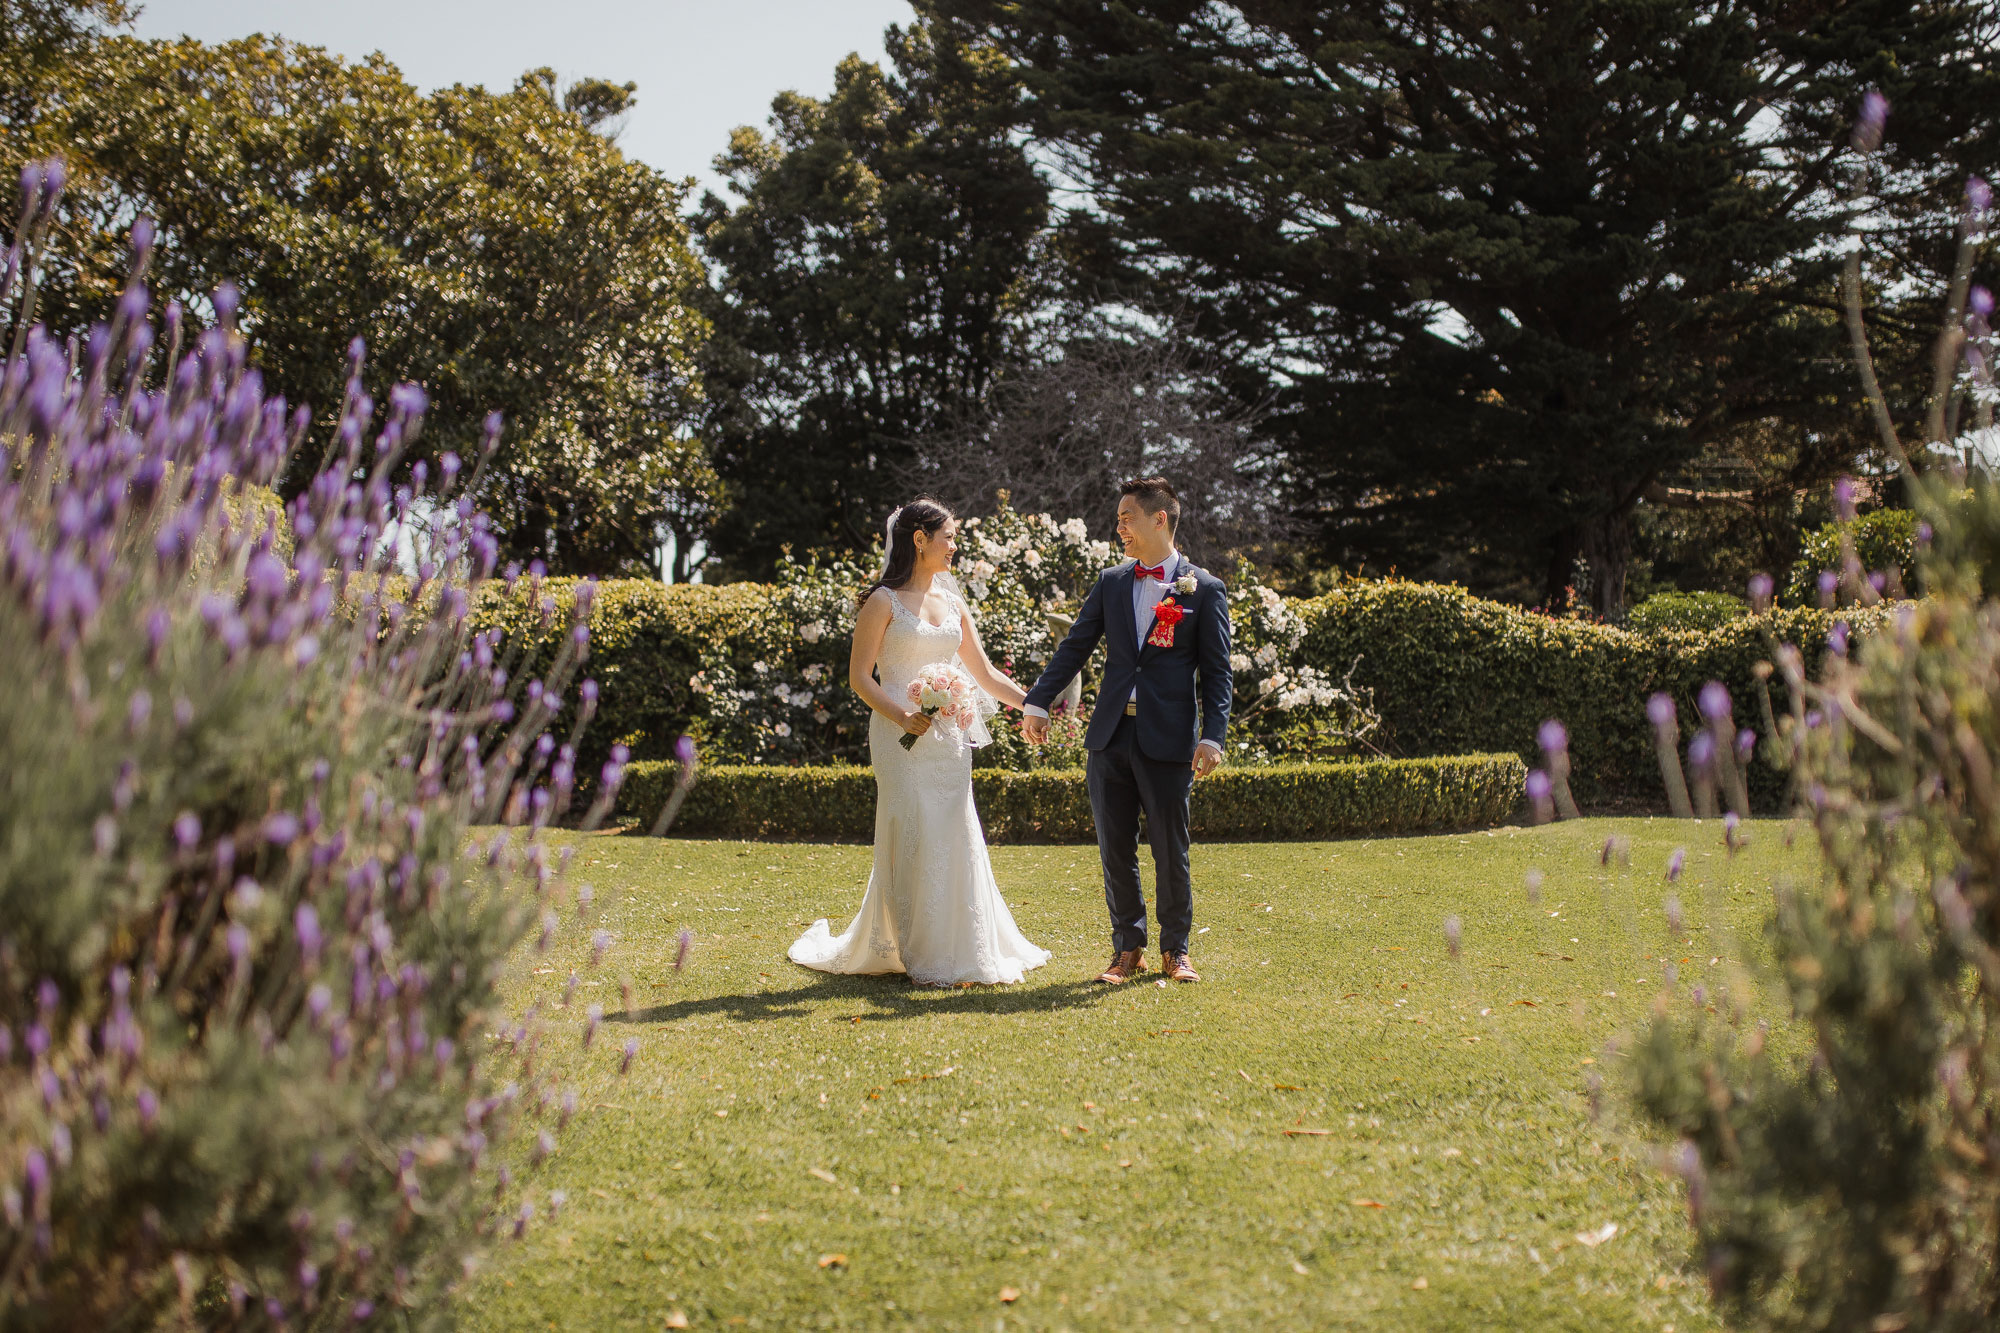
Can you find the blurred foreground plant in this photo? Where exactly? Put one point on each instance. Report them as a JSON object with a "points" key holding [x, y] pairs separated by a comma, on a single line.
{"points": [[252, 1066], [1850, 1178]]}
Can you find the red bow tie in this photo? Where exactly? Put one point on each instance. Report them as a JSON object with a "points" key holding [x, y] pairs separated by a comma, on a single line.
{"points": [[1150, 572]]}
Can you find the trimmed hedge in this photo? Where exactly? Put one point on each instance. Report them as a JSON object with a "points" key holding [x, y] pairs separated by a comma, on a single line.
{"points": [[1452, 674], [1282, 801]]}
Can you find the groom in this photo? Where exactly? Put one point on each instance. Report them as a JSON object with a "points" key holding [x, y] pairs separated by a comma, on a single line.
{"points": [[1167, 625]]}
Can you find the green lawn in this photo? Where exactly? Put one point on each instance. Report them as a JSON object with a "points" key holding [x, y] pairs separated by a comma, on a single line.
{"points": [[1119, 1157]]}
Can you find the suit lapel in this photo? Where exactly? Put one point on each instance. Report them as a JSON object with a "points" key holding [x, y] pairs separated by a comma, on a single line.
{"points": [[1121, 596]]}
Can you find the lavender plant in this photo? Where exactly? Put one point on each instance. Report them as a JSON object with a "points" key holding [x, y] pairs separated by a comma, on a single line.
{"points": [[1855, 1184], [253, 1066]]}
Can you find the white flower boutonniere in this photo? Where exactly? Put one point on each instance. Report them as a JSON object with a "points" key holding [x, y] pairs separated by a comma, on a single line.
{"points": [[1185, 585]]}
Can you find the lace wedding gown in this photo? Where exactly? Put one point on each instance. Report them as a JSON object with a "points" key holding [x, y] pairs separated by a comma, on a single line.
{"points": [[932, 908]]}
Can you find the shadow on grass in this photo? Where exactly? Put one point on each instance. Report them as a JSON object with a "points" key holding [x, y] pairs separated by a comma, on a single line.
{"points": [[886, 998]]}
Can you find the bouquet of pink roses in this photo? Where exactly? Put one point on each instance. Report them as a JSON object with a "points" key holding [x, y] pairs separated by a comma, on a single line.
{"points": [[941, 688]]}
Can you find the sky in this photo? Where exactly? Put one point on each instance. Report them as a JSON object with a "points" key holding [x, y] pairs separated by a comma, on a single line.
{"points": [[703, 66]]}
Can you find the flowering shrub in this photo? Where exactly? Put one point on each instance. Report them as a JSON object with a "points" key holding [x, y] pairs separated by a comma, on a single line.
{"points": [[253, 1069], [1878, 548], [790, 702]]}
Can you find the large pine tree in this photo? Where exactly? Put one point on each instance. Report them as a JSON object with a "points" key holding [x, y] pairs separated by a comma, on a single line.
{"points": [[1506, 265]]}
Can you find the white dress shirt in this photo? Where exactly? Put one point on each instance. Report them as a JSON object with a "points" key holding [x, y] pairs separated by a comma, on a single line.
{"points": [[1146, 596]]}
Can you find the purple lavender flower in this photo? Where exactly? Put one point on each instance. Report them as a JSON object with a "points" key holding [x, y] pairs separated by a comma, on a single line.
{"points": [[1874, 116], [1978, 195], [281, 828], [305, 921], [631, 1052], [683, 948], [148, 1104], [1715, 703], [1701, 751], [1828, 585], [1761, 587], [684, 751], [1660, 710], [592, 1017], [1676, 864], [1836, 639], [1553, 737], [1843, 499], [1539, 789], [600, 942], [187, 830]]}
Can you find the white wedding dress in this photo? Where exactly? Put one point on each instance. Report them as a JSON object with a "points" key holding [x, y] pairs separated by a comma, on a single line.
{"points": [[932, 908]]}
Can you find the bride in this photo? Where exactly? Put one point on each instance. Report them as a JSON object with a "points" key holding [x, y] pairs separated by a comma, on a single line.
{"points": [[932, 908]]}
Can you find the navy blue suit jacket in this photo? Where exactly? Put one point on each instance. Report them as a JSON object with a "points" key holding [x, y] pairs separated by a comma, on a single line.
{"points": [[1184, 691]]}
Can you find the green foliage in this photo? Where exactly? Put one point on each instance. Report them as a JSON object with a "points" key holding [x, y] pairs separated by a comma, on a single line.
{"points": [[872, 279], [1453, 674], [1882, 541], [488, 246], [1855, 1183], [1279, 801], [1685, 610], [1624, 288]]}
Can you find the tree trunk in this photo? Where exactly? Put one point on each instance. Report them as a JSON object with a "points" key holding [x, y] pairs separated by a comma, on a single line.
{"points": [[1607, 545], [1557, 583]]}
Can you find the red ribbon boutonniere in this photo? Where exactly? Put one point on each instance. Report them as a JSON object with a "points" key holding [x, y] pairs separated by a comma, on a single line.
{"points": [[1165, 616]]}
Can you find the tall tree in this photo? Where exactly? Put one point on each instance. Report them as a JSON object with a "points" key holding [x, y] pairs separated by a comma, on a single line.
{"points": [[489, 246], [869, 273], [1506, 266]]}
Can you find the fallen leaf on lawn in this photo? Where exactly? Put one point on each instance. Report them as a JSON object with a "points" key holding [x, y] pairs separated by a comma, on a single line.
{"points": [[1590, 1059], [1168, 1032], [722, 1115], [677, 1320], [1316, 1133], [1530, 1003], [1597, 1237], [1246, 1078], [822, 1173], [1367, 1203], [1124, 1161], [602, 1194], [1298, 1268], [1420, 1284], [1451, 1152], [1286, 1087], [1083, 1128], [1350, 995], [833, 1261], [1008, 1295], [1090, 1106]]}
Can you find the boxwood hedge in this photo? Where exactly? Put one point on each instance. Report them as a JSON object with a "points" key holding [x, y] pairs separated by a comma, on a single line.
{"points": [[1452, 674], [1376, 796]]}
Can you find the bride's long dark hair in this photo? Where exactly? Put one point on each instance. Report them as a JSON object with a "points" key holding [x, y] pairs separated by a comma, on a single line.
{"points": [[922, 514]]}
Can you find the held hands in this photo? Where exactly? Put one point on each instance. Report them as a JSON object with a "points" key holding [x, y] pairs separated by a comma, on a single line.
{"points": [[1036, 729], [1206, 760]]}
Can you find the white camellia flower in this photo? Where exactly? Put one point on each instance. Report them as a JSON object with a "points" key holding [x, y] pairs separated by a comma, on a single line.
{"points": [[783, 728], [1239, 662], [761, 668], [1074, 533], [1267, 654], [1031, 558], [1266, 685], [812, 632], [821, 716]]}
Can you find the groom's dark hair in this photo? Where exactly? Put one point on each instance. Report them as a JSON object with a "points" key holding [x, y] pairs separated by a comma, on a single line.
{"points": [[1155, 494]]}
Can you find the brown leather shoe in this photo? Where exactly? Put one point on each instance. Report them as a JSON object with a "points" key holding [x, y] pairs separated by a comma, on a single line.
{"points": [[1176, 967], [1124, 966]]}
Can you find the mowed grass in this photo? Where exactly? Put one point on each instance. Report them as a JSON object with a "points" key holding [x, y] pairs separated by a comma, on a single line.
{"points": [[792, 1150]]}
